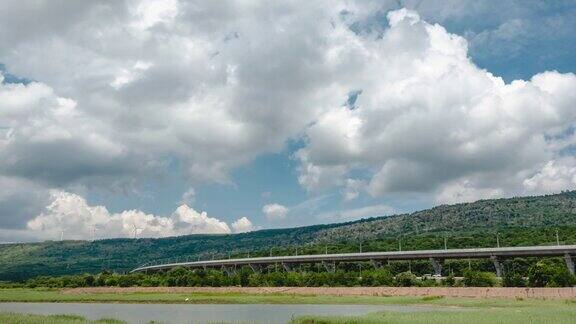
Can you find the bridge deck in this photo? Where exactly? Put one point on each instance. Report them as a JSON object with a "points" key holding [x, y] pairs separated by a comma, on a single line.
{"points": [[503, 252]]}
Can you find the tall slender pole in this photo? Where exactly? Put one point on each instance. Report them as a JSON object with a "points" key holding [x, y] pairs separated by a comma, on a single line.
{"points": [[498, 239], [445, 243], [399, 243], [360, 246], [326, 249], [557, 238]]}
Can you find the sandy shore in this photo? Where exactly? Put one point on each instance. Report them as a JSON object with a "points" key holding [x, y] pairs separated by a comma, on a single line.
{"points": [[491, 292]]}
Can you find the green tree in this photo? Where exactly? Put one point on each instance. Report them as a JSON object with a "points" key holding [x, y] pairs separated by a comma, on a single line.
{"points": [[406, 279], [478, 279]]}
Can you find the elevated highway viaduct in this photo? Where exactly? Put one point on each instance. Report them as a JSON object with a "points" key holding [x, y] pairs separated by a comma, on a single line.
{"points": [[436, 257]]}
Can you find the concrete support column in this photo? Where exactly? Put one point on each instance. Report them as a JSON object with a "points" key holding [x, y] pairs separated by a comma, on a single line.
{"points": [[255, 267], [287, 266], [330, 267], [437, 265], [569, 262], [377, 264], [229, 270], [498, 265]]}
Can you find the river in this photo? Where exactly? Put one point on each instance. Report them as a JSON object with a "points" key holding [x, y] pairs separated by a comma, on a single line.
{"points": [[202, 313]]}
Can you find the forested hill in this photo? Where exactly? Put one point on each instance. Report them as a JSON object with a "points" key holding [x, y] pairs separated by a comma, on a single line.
{"points": [[520, 221], [557, 210]]}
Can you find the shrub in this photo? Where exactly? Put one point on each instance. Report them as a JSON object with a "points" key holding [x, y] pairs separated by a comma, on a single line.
{"points": [[547, 274], [406, 279], [449, 281], [478, 279], [513, 280]]}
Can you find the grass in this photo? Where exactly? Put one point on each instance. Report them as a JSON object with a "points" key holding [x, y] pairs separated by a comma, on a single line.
{"points": [[560, 313], [15, 318], [57, 296], [453, 310]]}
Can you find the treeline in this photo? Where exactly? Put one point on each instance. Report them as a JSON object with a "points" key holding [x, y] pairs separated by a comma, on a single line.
{"points": [[543, 220], [544, 273]]}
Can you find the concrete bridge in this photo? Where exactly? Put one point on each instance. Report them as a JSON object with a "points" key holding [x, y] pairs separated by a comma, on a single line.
{"points": [[329, 261]]}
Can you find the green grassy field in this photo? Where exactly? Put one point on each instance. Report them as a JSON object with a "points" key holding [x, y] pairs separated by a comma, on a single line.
{"points": [[14, 318], [562, 313], [57, 296], [454, 310]]}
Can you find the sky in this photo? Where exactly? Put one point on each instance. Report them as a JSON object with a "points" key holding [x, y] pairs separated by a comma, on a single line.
{"points": [[153, 118]]}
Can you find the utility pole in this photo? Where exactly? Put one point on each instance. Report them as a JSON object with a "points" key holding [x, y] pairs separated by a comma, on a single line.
{"points": [[557, 238], [399, 243], [445, 243], [93, 232], [360, 246], [498, 239], [326, 252]]}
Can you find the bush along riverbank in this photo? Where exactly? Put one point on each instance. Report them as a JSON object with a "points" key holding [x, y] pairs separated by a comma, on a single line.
{"points": [[544, 273]]}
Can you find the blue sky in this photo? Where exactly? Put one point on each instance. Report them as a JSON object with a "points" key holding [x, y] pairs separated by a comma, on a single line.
{"points": [[158, 107]]}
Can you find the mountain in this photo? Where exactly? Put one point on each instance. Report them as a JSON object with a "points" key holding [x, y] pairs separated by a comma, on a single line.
{"points": [[519, 221]]}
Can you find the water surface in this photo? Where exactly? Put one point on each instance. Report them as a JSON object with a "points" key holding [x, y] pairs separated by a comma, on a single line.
{"points": [[195, 313]]}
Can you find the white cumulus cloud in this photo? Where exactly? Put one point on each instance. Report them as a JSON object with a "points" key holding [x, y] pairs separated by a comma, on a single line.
{"points": [[120, 91], [275, 211], [429, 120], [242, 225], [70, 214]]}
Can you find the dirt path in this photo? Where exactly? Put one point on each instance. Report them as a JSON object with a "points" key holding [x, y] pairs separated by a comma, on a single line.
{"points": [[492, 292]]}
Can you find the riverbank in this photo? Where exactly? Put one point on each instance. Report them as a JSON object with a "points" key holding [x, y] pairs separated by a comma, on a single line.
{"points": [[439, 309], [467, 292], [17, 318], [422, 311], [288, 295], [561, 313]]}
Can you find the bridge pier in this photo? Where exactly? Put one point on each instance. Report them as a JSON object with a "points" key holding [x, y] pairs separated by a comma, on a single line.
{"points": [[569, 262], [437, 265], [229, 270], [287, 266], [377, 264], [330, 267], [255, 267], [498, 266]]}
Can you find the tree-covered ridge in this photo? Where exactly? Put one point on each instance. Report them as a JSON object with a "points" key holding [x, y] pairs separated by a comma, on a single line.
{"points": [[498, 214], [520, 221]]}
